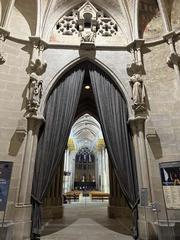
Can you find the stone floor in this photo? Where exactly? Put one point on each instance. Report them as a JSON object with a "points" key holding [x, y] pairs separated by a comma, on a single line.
{"points": [[86, 220]]}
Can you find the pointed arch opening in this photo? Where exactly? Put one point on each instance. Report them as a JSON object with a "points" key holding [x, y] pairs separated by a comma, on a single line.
{"points": [[85, 88]]}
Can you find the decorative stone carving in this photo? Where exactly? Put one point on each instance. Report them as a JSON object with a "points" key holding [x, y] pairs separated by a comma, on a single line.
{"points": [[88, 22], [68, 24], [138, 94], [37, 68], [136, 67], [87, 36], [173, 59], [3, 35], [34, 93], [107, 26]]}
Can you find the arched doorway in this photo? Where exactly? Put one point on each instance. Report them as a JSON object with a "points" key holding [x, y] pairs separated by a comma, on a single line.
{"points": [[61, 110]]}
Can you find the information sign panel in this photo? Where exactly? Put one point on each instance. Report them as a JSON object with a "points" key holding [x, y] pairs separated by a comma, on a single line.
{"points": [[170, 177], [5, 175]]}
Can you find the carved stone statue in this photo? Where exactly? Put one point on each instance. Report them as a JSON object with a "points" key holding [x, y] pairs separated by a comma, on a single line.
{"points": [[34, 92], [38, 66], [138, 90], [87, 36]]}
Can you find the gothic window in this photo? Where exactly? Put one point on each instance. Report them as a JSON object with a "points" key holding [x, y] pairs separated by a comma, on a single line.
{"points": [[86, 22]]}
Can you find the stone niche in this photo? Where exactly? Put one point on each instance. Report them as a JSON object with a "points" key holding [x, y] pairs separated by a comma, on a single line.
{"points": [[86, 25]]}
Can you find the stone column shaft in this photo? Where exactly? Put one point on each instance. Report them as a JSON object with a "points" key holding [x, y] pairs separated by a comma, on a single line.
{"points": [[164, 14], [137, 126], [29, 161], [8, 11]]}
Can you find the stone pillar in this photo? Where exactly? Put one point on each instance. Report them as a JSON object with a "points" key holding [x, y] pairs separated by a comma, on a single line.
{"points": [[136, 66], [107, 171], [34, 119], [96, 170], [73, 171], [145, 214], [164, 14], [99, 170], [23, 206], [8, 11], [67, 169], [29, 160], [102, 176], [103, 169], [64, 177], [142, 162]]}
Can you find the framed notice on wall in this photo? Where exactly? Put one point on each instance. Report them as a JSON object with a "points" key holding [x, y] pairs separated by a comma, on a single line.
{"points": [[170, 177], [5, 175]]}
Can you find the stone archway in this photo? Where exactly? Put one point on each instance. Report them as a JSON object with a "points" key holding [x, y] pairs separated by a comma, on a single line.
{"points": [[34, 123], [118, 206]]}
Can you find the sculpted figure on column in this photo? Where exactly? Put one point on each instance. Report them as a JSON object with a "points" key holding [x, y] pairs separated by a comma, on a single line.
{"points": [[138, 90], [34, 92]]}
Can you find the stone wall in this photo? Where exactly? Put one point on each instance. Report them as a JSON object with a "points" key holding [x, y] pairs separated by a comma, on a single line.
{"points": [[13, 82], [164, 115]]}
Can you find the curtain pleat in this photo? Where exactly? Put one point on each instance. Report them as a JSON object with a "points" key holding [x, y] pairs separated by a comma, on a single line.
{"points": [[59, 114], [113, 115]]}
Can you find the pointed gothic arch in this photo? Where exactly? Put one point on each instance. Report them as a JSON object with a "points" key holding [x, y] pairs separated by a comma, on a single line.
{"points": [[58, 76], [62, 102]]}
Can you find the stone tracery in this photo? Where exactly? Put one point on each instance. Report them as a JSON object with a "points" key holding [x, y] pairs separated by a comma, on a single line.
{"points": [[86, 19]]}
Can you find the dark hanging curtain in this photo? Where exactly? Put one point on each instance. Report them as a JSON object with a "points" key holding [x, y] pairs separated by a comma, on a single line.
{"points": [[113, 115], [59, 115]]}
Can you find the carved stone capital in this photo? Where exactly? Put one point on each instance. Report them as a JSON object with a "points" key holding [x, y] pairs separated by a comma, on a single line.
{"points": [[35, 121], [169, 37], [38, 43], [137, 124], [135, 45], [4, 34], [140, 110], [135, 48], [173, 59], [38, 66], [135, 68]]}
